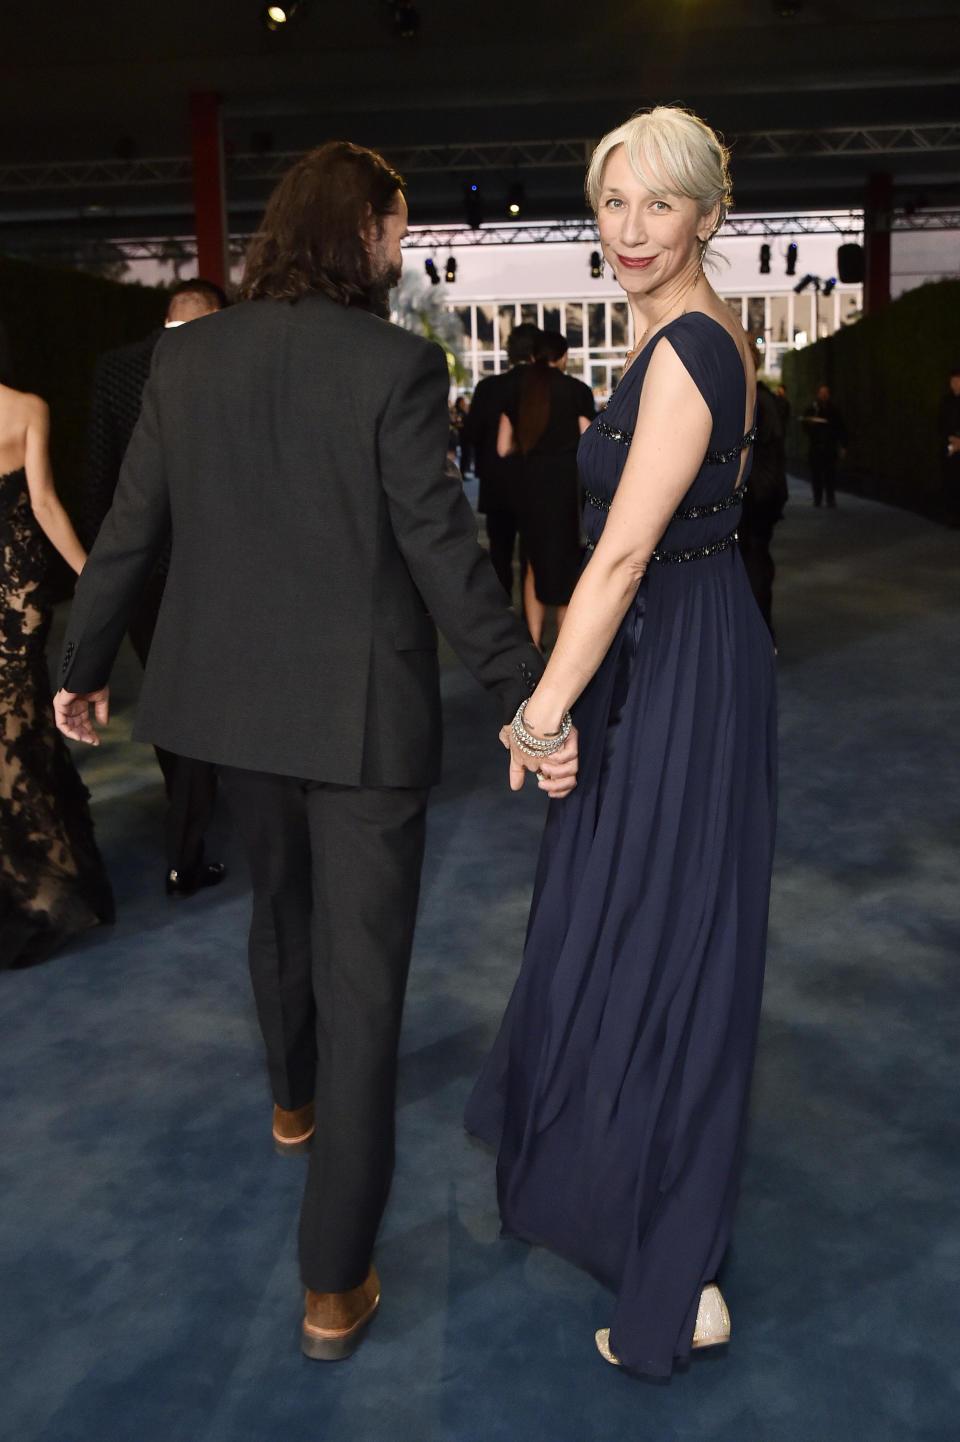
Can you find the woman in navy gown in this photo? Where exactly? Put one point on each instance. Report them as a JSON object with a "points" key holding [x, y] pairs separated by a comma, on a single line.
{"points": [[617, 1089]]}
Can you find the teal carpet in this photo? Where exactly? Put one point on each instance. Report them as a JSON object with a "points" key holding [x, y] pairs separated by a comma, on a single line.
{"points": [[147, 1231]]}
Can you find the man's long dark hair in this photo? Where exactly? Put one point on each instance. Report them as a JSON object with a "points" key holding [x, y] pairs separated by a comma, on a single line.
{"points": [[310, 237]]}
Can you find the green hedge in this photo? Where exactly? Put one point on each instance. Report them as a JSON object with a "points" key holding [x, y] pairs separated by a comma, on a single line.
{"points": [[887, 374], [57, 323]]}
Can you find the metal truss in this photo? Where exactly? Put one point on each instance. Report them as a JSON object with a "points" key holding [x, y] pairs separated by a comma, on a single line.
{"points": [[441, 238], [96, 174], [852, 140], [874, 140]]}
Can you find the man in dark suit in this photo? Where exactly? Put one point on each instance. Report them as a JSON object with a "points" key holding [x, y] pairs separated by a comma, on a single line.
{"points": [[499, 476], [827, 437], [118, 382], [298, 442]]}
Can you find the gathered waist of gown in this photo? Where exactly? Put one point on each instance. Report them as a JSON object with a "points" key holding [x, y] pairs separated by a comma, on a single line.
{"points": [[685, 513]]}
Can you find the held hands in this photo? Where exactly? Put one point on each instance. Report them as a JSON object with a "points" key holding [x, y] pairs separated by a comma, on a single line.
{"points": [[556, 774], [72, 713]]}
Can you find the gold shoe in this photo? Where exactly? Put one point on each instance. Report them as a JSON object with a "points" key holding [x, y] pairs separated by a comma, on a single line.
{"points": [[712, 1327], [713, 1319], [334, 1322], [602, 1339]]}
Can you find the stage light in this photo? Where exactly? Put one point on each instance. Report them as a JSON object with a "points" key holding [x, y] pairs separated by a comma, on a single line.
{"points": [[764, 259], [828, 285], [516, 199], [792, 258], [473, 204], [430, 267], [450, 270], [596, 264], [276, 16], [807, 280]]}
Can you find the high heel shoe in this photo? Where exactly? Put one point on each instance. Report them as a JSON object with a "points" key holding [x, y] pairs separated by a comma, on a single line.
{"points": [[712, 1327]]}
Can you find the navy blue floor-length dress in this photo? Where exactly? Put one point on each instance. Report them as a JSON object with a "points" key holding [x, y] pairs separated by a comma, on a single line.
{"points": [[617, 1089]]}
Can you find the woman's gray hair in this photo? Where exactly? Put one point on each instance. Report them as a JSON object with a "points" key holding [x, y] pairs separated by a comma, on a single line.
{"points": [[671, 152]]}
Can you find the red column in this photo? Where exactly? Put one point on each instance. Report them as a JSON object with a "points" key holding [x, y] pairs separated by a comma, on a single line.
{"points": [[209, 196], [876, 239]]}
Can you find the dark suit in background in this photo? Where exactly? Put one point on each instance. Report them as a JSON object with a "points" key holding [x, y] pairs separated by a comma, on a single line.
{"points": [[499, 490], [119, 379], [299, 450]]}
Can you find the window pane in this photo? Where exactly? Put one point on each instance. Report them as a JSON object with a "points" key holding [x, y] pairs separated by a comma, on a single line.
{"points": [[778, 319], [484, 327], [574, 325], [755, 315], [528, 314], [462, 312], [488, 365], [506, 323], [619, 325], [575, 365], [597, 312], [551, 315]]}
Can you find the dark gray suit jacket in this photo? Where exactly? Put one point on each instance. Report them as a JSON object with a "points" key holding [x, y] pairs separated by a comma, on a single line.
{"points": [[298, 452]]}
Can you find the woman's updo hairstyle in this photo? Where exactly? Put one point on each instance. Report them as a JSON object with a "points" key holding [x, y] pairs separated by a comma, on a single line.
{"points": [[671, 152]]}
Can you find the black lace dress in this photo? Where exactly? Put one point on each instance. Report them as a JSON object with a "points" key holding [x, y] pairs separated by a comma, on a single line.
{"points": [[52, 880]]}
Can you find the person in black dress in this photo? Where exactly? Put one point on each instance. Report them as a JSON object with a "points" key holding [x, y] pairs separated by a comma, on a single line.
{"points": [[542, 423], [617, 1090], [499, 477], [52, 881]]}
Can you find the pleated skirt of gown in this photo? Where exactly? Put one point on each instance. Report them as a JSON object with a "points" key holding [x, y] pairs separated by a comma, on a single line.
{"points": [[617, 1089]]}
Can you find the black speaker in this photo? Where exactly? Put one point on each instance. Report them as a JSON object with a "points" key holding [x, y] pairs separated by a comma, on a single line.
{"points": [[850, 264]]}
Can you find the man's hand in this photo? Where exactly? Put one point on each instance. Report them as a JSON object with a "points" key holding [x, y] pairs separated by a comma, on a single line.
{"points": [[556, 774], [72, 712]]}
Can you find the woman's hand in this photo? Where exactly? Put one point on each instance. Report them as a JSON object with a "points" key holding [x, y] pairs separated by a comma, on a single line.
{"points": [[556, 774]]}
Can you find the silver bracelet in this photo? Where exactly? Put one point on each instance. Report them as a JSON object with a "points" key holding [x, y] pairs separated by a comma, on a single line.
{"points": [[539, 746]]}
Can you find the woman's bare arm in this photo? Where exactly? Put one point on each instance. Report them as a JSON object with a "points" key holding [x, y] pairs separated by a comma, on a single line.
{"points": [[44, 501]]}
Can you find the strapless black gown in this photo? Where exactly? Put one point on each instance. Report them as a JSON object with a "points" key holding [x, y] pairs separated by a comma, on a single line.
{"points": [[52, 880], [617, 1090]]}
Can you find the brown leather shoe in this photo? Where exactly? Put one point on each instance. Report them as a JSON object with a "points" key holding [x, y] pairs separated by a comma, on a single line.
{"points": [[292, 1130], [334, 1323]]}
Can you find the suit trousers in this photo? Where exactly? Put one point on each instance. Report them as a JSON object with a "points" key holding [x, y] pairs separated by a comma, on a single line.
{"points": [[823, 476], [336, 877]]}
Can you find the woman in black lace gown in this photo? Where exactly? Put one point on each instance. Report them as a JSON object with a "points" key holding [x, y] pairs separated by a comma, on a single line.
{"points": [[52, 880]]}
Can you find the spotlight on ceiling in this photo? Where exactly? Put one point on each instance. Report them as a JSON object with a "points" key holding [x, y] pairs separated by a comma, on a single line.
{"points": [[764, 259], [406, 20], [473, 204], [430, 267], [450, 270], [596, 264], [516, 199], [807, 280], [792, 258], [828, 285], [276, 16]]}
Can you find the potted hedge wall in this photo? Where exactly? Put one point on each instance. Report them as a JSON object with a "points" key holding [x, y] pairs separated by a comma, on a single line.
{"points": [[887, 374], [57, 322]]}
